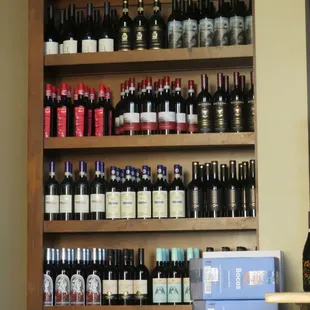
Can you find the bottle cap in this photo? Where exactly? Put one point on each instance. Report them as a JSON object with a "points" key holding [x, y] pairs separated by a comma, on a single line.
{"points": [[160, 168], [189, 254], [113, 170], [166, 80]]}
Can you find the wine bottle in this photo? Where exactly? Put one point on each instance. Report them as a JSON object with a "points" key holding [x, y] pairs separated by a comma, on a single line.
{"points": [[69, 35], [157, 28], [124, 27], [232, 192], [242, 85], [81, 194], [160, 196], [113, 197], [191, 109], [306, 261], [66, 195], [251, 190], [236, 25], [205, 189], [51, 39], [180, 108], [128, 197], [99, 113], [51, 195], [175, 27], [63, 21], [106, 33], [97, 26], [77, 282], [186, 281], [89, 40], [80, 114], [50, 120], [141, 281], [48, 277], [195, 194], [249, 25], [223, 180], [159, 281], [206, 25], [220, 107], [140, 29], [79, 29], [117, 125], [226, 85], [244, 179], [250, 106], [109, 113], [190, 26], [144, 196], [90, 109], [64, 114], [221, 26], [177, 195]]}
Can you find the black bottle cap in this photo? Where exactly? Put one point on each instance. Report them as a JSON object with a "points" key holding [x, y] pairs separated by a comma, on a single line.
{"points": [[209, 249], [225, 248]]}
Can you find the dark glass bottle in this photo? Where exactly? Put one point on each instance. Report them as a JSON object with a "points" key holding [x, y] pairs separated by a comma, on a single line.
{"points": [[157, 28], [191, 109], [221, 26], [109, 113], [226, 249], [236, 24], [106, 38], [80, 114], [226, 85], [249, 25], [242, 85], [64, 114], [175, 27], [97, 195], [51, 195], [81, 194], [69, 35], [180, 108], [140, 29], [124, 28], [63, 21], [51, 39], [113, 197], [141, 281], [50, 120], [79, 29], [195, 194], [220, 107], [77, 280], [166, 110], [186, 281], [206, 25], [117, 112], [215, 192], [232, 192], [89, 40], [97, 26], [209, 249], [138, 177], [91, 105], [48, 277], [100, 113], [241, 248], [160, 196], [306, 261], [66, 195], [250, 106], [223, 180], [144, 196], [190, 26], [177, 195], [204, 108], [159, 281], [251, 190], [242, 176], [128, 197], [207, 176]]}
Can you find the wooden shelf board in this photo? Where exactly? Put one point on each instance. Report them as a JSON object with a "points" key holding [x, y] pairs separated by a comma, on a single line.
{"points": [[148, 307], [155, 141], [288, 298], [156, 225], [152, 60]]}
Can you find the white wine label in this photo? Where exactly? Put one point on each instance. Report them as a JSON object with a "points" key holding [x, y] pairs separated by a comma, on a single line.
{"points": [[144, 204], [109, 287], [160, 204], [65, 204], [190, 33], [160, 294], [186, 290], [70, 47], [51, 48], [77, 290], [177, 203], [62, 290], [106, 45], [125, 287], [206, 31], [93, 290], [221, 31], [61, 48], [248, 30], [175, 290], [113, 205], [81, 204], [131, 118], [181, 121], [128, 205], [140, 287], [48, 290], [236, 25], [51, 204], [175, 34], [89, 46], [97, 203]]}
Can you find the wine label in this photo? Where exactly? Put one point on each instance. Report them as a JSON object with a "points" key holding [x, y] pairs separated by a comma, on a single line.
{"points": [[51, 204], [109, 289], [306, 272], [190, 33], [81, 203], [156, 37], [140, 38], [167, 120], [99, 122], [214, 199], [195, 199], [251, 199], [66, 202], [160, 293], [221, 31], [90, 123], [77, 290], [243, 199], [89, 46], [124, 39], [62, 122], [205, 116], [47, 122], [144, 204], [140, 289], [97, 203], [113, 205], [237, 120], [175, 34], [237, 34], [220, 116], [206, 31], [174, 290], [106, 45], [93, 290], [181, 122], [48, 290], [232, 199], [70, 46], [51, 48], [251, 115], [61, 48], [148, 120], [186, 290], [79, 124], [160, 204], [116, 124], [62, 290], [125, 288], [192, 123], [249, 29], [177, 203], [128, 205], [131, 121]]}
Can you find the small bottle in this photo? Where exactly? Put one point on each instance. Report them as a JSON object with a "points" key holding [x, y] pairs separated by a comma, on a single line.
{"points": [[225, 249], [48, 277], [241, 248]]}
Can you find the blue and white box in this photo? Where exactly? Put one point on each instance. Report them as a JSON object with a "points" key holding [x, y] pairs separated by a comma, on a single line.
{"points": [[233, 278], [233, 305]]}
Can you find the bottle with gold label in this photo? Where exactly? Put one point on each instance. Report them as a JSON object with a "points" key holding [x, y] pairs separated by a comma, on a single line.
{"points": [[124, 30], [140, 29]]}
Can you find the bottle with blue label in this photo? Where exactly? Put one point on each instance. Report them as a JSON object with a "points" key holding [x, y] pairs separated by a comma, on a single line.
{"points": [[175, 27], [128, 196], [160, 195], [186, 280]]}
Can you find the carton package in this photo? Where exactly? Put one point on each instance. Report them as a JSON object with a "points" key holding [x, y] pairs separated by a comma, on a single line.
{"points": [[233, 305]]}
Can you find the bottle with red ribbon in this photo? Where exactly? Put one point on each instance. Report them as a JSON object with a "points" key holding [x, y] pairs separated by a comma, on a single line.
{"points": [[64, 113], [49, 113], [80, 114], [191, 106], [180, 108]]}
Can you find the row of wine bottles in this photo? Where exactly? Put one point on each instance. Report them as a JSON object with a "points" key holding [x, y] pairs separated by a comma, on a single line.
{"points": [[165, 111], [189, 25], [206, 195]]}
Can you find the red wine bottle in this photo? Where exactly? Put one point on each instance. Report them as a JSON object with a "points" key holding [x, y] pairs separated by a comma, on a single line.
{"points": [[51, 38], [250, 106], [50, 121], [62, 281], [64, 112], [180, 108], [109, 113], [89, 41], [117, 111], [191, 109], [80, 114]]}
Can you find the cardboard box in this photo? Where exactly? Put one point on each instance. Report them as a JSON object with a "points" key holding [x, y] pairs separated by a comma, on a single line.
{"points": [[233, 305]]}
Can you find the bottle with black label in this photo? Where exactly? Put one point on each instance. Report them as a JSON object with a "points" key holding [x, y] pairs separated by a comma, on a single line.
{"points": [[157, 28], [175, 27], [128, 197], [50, 34], [186, 281], [249, 25], [237, 106], [251, 190], [232, 192], [124, 28], [106, 33], [70, 40], [180, 108], [204, 108], [66, 194], [206, 25], [140, 29], [89, 40], [220, 107], [160, 196], [221, 26], [195, 194], [190, 26], [250, 106], [236, 24], [51, 195], [48, 277], [215, 193], [144, 196], [191, 108], [81, 194]]}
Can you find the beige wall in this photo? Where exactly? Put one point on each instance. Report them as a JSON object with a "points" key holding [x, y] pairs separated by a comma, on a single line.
{"points": [[13, 137]]}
